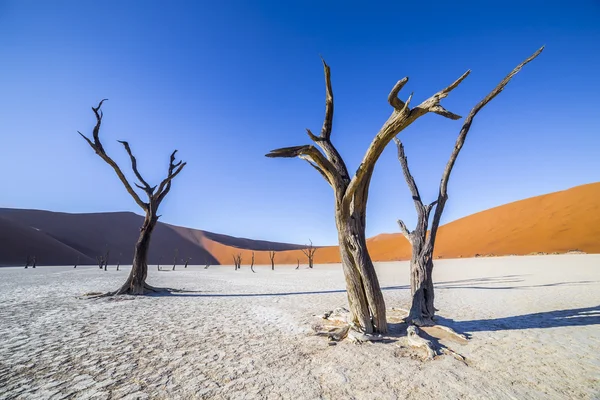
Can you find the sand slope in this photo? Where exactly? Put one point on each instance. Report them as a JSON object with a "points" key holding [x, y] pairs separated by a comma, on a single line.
{"points": [[555, 222]]}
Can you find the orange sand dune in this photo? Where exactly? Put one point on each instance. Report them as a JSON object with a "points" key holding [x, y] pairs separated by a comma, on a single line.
{"points": [[555, 222]]}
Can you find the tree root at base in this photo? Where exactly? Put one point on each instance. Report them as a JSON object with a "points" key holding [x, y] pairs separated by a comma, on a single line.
{"points": [[126, 290], [431, 350]]}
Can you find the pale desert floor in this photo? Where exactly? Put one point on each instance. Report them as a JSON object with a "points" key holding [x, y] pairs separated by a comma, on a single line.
{"points": [[534, 324]]}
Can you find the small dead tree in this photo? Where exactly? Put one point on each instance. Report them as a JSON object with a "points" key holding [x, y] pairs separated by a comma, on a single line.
{"points": [[175, 258], [272, 258], [367, 306], [252, 263], [100, 261], [33, 262], [298, 266], [76, 262], [187, 260], [119, 260], [421, 265], [159, 261], [309, 252], [237, 260], [106, 259], [136, 282], [28, 261], [206, 263]]}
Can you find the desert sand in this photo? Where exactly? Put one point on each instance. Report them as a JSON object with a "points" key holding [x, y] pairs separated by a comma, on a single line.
{"points": [[534, 324]]}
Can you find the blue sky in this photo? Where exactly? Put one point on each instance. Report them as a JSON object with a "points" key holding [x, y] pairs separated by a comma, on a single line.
{"points": [[227, 81]]}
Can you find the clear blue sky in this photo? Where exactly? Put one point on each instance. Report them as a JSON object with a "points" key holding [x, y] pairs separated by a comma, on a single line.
{"points": [[225, 82]]}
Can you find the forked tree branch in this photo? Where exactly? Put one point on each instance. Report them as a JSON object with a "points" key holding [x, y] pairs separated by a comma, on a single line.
{"points": [[443, 191]]}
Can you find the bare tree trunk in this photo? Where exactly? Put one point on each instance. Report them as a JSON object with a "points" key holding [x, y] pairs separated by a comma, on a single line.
{"points": [[175, 258], [272, 257], [252, 263], [119, 260], [106, 260], [298, 266], [136, 282], [33, 261], [76, 262], [187, 261], [28, 260]]}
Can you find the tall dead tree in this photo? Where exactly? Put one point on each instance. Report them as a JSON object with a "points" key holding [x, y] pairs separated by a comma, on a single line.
{"points": [[175, 258], [272, 258], [237, 260], [421, 264], [309, 252], [365, 298], [252, 263], [136, 282]]}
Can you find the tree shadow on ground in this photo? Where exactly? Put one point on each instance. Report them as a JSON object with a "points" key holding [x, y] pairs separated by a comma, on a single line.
{"points": [[548, 319], [192, 293], [490, 283]]}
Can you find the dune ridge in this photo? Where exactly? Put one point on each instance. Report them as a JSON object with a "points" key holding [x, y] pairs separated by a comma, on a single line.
{"points": [[555, 222]]}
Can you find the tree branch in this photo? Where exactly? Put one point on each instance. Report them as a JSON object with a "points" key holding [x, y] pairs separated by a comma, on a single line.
{"points": [[174, 170], [312, 155], [99, 149], [443, 191], [147, 188], [407, 234]]}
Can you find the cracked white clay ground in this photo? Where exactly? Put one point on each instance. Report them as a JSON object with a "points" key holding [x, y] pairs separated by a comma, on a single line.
{"points": [[534, 324]]}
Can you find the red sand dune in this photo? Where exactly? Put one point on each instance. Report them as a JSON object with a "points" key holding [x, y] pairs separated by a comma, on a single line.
{"points": [[555, 222]]}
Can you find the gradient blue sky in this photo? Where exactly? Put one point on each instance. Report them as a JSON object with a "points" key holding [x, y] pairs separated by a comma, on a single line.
{"points": [[225, 82]]}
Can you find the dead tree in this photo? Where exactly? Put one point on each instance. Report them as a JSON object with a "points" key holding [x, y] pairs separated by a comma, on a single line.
{"points": [[159, 260], [28, 261], [237, 260], [187, 261], [136, 282], [272, 258], [310, 253], [298, 266], [365, 298], [421, 265], [76, 262], [33, 262], [252, 263], [106, 259], [100, 261], [175, 258], [206, 263], [119, 260]]}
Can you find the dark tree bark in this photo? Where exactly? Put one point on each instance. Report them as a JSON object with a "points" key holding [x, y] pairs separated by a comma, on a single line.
{"points": [[365, 298], [136, 282], [422, 308], [252, 263], [309, 252], [237, 261], [175, 258], [272, 258]]}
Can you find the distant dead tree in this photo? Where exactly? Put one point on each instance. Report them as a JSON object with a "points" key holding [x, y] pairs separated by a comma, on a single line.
{"points": [[33, 262], [119, 260], [367, 305], [422, 308], [298, 266], [76, 262], [310, 253], [136, 282], [28, 261], [159, 261], [106, 259], [237, 260], [206, 263], [187, 261], [272, 258], [175, 258], [252, 263], [100, 261]]}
